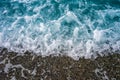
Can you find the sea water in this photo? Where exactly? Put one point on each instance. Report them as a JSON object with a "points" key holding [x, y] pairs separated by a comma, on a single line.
{"points": [[76, 28]]}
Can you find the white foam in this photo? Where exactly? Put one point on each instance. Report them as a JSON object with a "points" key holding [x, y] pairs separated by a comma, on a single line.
{"points": [[89, 46], [7, 67], [34, 71], [101, 72], [0, 37], [61, 36], [13, 78], [97, 35], [75, 33]]}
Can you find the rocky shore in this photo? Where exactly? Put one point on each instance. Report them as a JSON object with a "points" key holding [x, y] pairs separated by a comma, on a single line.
{"points": [[32, 67]]}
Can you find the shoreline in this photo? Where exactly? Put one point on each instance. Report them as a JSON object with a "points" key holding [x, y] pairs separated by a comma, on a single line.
{"points": [[33, 67]]}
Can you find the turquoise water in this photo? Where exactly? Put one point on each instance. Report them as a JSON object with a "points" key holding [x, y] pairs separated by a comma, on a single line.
{"points": [[72, 27]]}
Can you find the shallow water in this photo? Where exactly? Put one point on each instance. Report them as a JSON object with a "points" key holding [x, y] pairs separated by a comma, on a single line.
{"points": [[75, 28], [33, 67]]}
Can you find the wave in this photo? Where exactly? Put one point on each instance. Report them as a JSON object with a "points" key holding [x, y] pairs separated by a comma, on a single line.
{"points": [[77, 28]]}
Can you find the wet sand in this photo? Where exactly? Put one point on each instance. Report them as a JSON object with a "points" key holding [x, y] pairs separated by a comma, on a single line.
{"points": [[33, 67]]}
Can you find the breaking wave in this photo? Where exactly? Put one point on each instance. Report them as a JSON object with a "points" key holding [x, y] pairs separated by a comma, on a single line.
{"points": [[77, 28]]}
